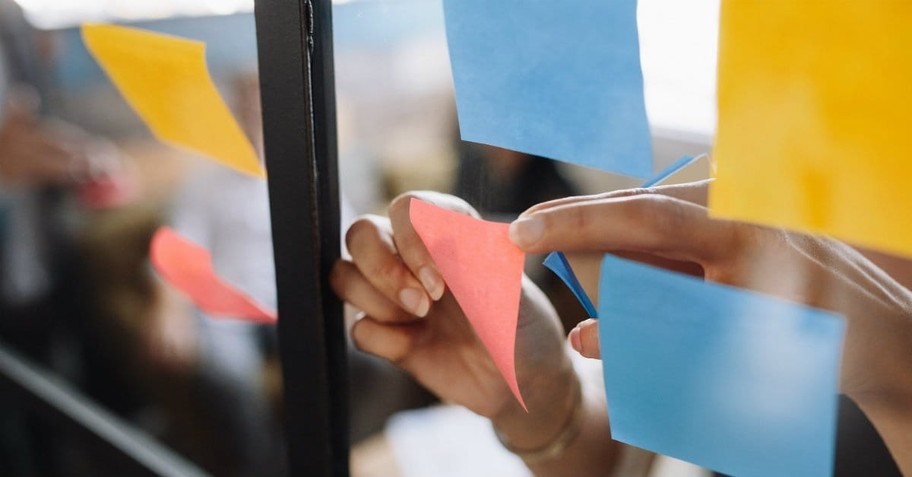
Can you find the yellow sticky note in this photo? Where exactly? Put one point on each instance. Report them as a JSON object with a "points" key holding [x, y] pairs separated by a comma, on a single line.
{"points": [[815, 118], [166, 81]]}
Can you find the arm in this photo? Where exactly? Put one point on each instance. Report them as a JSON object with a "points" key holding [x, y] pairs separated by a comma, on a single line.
{"points": [[409, 318], [658, 228]]}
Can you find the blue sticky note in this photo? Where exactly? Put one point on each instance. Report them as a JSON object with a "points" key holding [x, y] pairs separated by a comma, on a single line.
{"points": [[559, 80], [731, 380], [557, 261], [671, 170]]}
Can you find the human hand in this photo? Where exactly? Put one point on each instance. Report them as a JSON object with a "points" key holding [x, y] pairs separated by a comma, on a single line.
{"points": [[671, 228], [33, 153], [171, 335], [411, 319]]}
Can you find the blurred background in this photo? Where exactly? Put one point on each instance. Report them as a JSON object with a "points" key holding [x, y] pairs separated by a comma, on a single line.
{"points": [[79, 298]]}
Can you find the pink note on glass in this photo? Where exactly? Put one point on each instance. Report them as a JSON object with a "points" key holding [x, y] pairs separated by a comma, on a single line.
{"points": [[188, 267], [483, 269]]}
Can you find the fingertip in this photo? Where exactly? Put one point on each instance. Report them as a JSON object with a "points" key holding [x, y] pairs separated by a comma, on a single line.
{"points": [[589, 338], [526, 231], [432, 282], [574, 338], [415, 301]]}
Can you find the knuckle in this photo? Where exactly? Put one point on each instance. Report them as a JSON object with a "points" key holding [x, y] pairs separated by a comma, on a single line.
{"points": [[578, 218], [400, 354], [668, 212], [389, 270]]}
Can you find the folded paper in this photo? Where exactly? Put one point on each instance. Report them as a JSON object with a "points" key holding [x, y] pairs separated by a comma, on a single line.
{"points": [[166, 81], [814, 114], [188, 267], [483, 270], [728, 379], [564, 83], [557, 263]]}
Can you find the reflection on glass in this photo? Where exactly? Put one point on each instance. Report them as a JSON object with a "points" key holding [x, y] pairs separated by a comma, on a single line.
{"points": [[83, 185]]}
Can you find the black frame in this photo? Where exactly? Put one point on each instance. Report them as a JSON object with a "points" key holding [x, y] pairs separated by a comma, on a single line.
{"points": [[297, 87]]}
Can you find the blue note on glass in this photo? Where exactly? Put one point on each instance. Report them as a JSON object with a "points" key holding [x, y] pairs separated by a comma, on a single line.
{"points": [[731, 380], [560, 80], [557, 263]]}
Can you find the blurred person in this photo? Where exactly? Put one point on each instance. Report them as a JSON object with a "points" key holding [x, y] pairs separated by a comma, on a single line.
{"points": [[566, 429], [42, 161]]}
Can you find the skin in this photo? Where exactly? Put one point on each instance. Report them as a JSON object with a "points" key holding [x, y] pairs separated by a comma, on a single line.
{"points": [[670, 227], [410, 318], [35, 153]]}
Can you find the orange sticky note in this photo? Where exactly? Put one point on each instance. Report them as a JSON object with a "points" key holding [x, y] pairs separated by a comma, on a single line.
{"points": [[188, 267], [166, 81], [815, 104], [483, 269]]}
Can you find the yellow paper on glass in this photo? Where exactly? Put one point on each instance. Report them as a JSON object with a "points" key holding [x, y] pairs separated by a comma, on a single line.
{"points": [[815, 118], [166, 81]]}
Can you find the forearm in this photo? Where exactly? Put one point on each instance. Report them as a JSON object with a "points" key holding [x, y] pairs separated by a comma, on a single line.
{"points": [[566, 431], [592, 452]]}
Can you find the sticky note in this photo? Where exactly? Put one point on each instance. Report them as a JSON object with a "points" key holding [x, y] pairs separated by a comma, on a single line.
{"points": [[731, 380], [814, 113], [483, 270], [166, 81], [563, 83], [557, 262], [188, 267]]}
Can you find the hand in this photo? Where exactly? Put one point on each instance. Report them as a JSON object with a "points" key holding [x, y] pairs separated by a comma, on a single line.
{"points": [[670, 227], [171, 336], [35, 154], [411, 319]]}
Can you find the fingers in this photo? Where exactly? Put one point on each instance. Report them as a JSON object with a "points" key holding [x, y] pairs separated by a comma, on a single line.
{"points": [[585, 339], [370, 243], [352, 287], [648, 223], [409, 245], [391, 342], [693, 192]]}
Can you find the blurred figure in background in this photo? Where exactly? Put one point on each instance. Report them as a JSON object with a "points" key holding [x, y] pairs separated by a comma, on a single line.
{"points": [[42, 161]]}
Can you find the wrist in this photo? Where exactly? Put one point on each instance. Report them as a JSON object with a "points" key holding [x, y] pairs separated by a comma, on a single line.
{"points": [[561, 440], [552, 420]]}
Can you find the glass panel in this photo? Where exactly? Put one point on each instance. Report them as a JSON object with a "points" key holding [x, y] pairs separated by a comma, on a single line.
{"points": [[83, 186], [399, 132]]}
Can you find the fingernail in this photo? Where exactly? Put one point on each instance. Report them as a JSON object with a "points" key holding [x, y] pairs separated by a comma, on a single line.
{"points": [[575, 341], [432, 282], [415, 301], [526, 231]]}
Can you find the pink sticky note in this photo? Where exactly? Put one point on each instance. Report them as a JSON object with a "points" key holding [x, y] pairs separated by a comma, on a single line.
{"points": [[483, 269], [188, 267]]}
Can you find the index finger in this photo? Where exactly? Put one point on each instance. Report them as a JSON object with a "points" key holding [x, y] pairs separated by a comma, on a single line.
{"points": [[693, 192], [409, 245], [648, 223]]}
